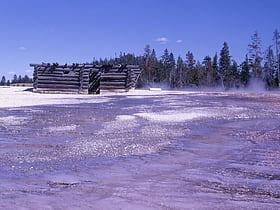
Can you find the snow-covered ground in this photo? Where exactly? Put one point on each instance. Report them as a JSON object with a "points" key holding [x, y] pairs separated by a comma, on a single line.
{"points": [[20, 96]]}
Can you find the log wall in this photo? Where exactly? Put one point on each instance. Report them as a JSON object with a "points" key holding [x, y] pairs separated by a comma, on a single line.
{"points": [[84, 78]]}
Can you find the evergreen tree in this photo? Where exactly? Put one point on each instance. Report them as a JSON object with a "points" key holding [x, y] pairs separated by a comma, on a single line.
{"points": [[199, 75], [168, 65], [180, 71], [276, 39], [3, 81], [172, 65], [255, 55], [209, 71], [215, 66], [19, 80], [244, 74], [148, 67], [156, 66], [190, 76], [224, 66], [164, 66], [8, 83], [160, 74], [270, 69], [150, 63], [25, 79], [15, 79], [233, 77]]}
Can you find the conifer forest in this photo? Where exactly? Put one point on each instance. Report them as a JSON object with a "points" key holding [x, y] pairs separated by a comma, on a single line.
{"points": [[221, 70]]}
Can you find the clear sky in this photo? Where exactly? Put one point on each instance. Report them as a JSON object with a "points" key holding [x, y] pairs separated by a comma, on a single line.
{"points": [[76, 31]]}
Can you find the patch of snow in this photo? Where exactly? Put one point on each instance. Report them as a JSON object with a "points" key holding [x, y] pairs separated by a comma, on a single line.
{"points": [[18, 97], [11, 120], [155, 89], [171, 116], [62, 128], [125, 117]]}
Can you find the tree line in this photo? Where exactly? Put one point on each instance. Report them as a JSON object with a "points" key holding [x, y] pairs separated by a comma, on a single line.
{"points": [[16, 79], [221, 70]]}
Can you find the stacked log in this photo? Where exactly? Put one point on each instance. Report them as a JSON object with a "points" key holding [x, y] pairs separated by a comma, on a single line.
{"points": [[84, 78], [57, 79], [114, 80]]}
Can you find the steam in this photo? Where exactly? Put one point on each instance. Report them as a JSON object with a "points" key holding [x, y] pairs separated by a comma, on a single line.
{"points": [[256, 86], [161, 85]]}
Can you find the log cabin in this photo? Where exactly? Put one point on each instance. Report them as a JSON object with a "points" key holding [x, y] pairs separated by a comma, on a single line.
{"points": [[84, 78]]}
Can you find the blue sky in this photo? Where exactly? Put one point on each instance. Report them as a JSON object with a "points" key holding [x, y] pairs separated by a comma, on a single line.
{"points": [[75, 31]]}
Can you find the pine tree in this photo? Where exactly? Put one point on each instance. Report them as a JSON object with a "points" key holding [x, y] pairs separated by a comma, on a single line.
{"points": [[199, 75], [215, 69], [233, 76], [156, 66], [19, 80], [168, 65], [180, 71], [270, 69], [255, 55], [190, 69], [15, 79], [26, 79], [164, 66], [244, 74], [209, 71], [276, 39], [160, 71], [224, 66], [3, 81], [148, 68], [171, 70]]}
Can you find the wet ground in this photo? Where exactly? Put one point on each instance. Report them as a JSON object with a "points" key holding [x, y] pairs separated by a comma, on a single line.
{"points": [[166, 151]]}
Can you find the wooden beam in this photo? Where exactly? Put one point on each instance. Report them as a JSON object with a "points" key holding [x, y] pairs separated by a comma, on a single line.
{"points": [[105, 83], [63, 86], [59, 82], [113, 74], [105, 76], [111, 87], [54, 91], [59, 76]]}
